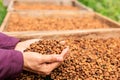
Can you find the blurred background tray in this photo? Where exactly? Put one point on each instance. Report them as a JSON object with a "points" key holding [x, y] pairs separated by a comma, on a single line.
{"points": [[104, 22], [71, 4]]}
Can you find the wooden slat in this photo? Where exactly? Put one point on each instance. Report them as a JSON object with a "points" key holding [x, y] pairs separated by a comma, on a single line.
{"points": [[110, 21], [92, 33], [10, 6], [5, 21], [78, 4]]}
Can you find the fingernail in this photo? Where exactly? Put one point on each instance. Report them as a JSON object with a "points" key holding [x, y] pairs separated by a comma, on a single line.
{"points": [[60, 58]]}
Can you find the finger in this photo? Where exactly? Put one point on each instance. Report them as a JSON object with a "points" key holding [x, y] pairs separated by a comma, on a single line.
{"points": [[65, 52], [51, 58], [31, 70], [54, 65], [36, 72], [48, 68], [32, 41]]}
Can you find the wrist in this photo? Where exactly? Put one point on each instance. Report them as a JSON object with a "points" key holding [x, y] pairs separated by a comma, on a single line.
{"points": [[24, 61]]}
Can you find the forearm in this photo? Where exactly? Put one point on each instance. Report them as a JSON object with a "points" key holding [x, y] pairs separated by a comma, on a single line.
{"points": [[11, 64], [7, 42]]}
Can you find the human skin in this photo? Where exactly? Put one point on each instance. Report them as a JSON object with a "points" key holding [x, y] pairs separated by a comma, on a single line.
{"points": [[38, 63]]}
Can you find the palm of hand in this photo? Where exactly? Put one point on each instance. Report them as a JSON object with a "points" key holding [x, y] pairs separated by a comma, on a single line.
{"points": [[21, 46]]}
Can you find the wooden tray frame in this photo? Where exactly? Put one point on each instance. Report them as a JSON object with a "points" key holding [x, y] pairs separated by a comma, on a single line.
{"points": [[96, 34]]}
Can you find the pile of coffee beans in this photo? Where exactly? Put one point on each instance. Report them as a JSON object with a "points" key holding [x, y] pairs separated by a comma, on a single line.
{"points": [[88, 59], [19, 22], [46, 47]]}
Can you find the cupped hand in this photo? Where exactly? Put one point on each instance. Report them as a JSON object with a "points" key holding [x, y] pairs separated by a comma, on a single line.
{"points": [[43, 64], [38, 63]]}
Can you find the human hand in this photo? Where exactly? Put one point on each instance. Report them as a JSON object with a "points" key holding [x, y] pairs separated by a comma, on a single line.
{"points": [[21, 46], [43, 64], [38, 63]]}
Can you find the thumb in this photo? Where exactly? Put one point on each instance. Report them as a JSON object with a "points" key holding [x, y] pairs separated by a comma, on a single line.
{"points": [[65, 52], [51, 58]]}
